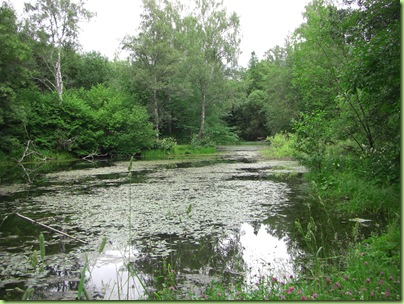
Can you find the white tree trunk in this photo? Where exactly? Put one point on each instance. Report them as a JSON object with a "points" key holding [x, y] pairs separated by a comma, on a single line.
{"points": [[58, 76]]}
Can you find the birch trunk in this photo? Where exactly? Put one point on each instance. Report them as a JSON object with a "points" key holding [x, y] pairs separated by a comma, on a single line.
{"points": [[58, 75]]}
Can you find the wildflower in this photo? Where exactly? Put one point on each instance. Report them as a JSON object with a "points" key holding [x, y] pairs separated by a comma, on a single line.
{"points": [[380, 282], [283, 297], [381, 273], [315, 296], [291, 276], [372, 294], [387, 293], [390, 278], [367, 280], [348, 293], [203, 296], [362, 253], [338, 285], [304, 298], [327, 280], [275, 280], [366, 263], [219, 294], [290, 290], [172, 271], [345, 277]]}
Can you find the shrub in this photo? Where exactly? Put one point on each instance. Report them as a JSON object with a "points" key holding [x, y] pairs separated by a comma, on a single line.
{"points": [[281, 145]]}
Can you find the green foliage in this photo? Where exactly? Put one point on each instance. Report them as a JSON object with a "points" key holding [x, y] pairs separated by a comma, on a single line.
{"points": [[166, 145], [98, 121], [87, 70], [281, 145], [270, 101], [313, 135], [13, 75], [249, 117], [168, 281]]}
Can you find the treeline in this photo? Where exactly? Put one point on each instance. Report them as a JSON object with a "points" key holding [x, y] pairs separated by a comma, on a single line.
{"points": [[335, 86], [335, 83], [175, 83]]}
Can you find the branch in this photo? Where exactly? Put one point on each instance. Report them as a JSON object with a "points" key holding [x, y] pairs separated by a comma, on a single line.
{"points": [[50, 228]]}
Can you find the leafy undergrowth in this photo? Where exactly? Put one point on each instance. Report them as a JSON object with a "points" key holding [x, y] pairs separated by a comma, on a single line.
{"points": [[280, 146]]}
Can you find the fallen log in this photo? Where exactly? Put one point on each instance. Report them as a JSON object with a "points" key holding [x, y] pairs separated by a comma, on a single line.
{"points": [[50, 228]]}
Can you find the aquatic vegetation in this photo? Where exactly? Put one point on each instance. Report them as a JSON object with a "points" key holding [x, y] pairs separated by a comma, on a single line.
{"points": [[197, 217]]}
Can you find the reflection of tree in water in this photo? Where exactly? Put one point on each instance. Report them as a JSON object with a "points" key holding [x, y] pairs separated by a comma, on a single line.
{"points": [[208, 256]]}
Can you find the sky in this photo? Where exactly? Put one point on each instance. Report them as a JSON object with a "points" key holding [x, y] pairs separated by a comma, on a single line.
{"points": [[263, 24]]}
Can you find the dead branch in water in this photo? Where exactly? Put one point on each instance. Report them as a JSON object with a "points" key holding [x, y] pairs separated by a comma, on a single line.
{"points": [[50, 228], [91, 156]]}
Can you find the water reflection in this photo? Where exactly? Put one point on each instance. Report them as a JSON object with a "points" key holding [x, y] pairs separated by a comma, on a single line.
{"points": [[243, 256], [111, 280], [264, 253]]}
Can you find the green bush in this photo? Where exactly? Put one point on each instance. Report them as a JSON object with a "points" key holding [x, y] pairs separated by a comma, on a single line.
{"points": [[281, 145], [101, 120], [167, 144]]}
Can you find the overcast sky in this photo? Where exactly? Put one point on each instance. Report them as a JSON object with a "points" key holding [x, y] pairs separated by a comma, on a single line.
{"points": [[263, 23]]}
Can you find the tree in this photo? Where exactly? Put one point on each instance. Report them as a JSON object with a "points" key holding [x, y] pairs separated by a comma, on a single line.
{"points": [[255, 74], [347, 69], [13, 75], [153, 52], [56, 24], [87, 70], [211, 42], [283, 99], [371, 84]]}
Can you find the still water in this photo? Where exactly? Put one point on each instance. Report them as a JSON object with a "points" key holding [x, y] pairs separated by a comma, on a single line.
{"points": [[230, 217]]}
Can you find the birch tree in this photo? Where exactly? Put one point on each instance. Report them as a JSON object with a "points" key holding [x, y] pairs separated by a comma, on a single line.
{"points": [[55, 23], [212, 38], [153, 53]]}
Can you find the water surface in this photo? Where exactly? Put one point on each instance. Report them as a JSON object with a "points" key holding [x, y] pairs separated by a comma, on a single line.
{"points": [[229, 216]]}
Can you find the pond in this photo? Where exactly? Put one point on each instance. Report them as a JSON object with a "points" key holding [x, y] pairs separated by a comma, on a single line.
{"points": [[229, 217]]}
